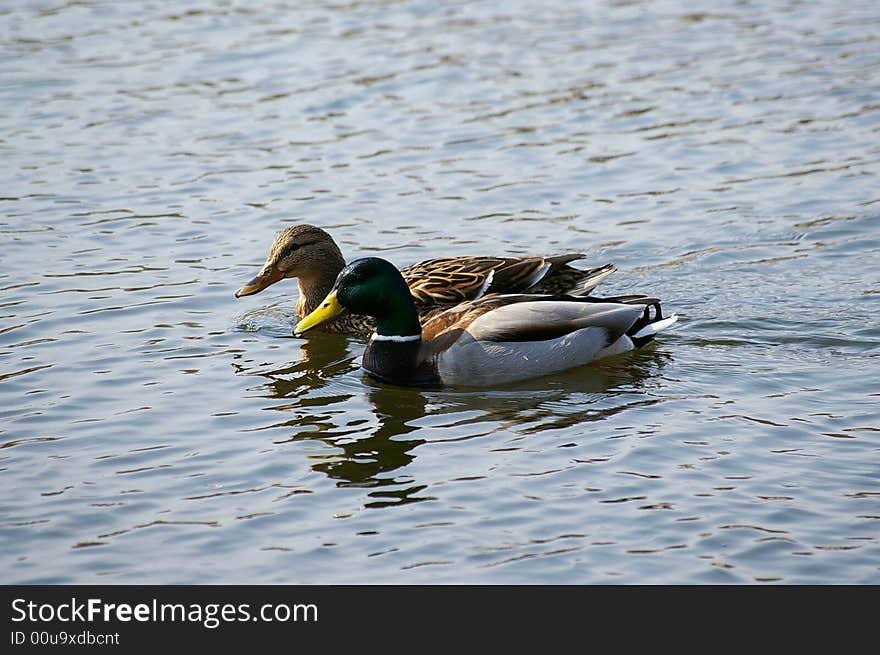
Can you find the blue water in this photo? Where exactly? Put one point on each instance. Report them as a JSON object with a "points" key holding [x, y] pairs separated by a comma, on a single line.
{"points": [[154, 429]]}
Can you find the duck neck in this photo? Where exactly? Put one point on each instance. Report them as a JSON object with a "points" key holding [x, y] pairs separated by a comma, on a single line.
{"points": [[398, 322], [393, 352], [313, 289]]}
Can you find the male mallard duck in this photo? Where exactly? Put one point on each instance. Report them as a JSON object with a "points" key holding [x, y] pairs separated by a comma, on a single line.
{"points": [[488, 341], [308, 253]]}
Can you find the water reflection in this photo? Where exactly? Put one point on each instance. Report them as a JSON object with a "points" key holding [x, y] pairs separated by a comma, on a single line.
{"points": [[324, 403], [590, 393], [373, 429], [321, 361], [369, 461]]}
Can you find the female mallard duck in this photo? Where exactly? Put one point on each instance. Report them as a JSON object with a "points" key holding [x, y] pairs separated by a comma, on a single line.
{"points": [[488, 341], [308, 253]]}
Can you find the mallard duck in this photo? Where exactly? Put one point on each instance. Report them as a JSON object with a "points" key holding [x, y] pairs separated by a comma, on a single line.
{"points": [[309, 254], [491, 340]]}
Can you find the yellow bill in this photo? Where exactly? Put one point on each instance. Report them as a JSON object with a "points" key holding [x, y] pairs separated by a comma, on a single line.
{"points": [[327, 310]]}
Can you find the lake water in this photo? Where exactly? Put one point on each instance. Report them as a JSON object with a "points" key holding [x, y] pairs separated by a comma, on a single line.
{"points": [[154, 429]]}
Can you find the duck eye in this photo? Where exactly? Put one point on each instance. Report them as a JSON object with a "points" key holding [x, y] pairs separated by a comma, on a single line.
{"points": [[289, 250]]}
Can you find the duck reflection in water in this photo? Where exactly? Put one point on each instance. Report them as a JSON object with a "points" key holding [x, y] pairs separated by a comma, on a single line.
{"points": [[369, 460], [318, 404], [323, 398]]}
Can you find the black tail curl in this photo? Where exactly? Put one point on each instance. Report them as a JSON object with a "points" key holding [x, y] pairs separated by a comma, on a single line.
{"points": [[653, 313], [645, 320]]}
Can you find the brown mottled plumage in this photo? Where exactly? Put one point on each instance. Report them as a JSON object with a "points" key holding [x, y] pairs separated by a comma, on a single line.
{"points": [[309, 254]]}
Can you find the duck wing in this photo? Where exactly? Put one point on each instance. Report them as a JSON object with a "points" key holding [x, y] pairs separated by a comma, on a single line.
{"points": [[547, 318], [451, 280], [504, 338]]}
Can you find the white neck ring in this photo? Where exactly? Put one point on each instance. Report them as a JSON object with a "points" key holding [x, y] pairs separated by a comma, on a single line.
{"points": [[393, 337]]}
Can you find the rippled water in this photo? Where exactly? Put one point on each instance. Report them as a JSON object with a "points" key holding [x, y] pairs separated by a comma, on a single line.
{"points": [[155, 429]]}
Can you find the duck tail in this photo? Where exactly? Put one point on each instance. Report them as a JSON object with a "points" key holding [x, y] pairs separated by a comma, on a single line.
{"points": [[559, 278], [649, 324], [590, 279]]}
